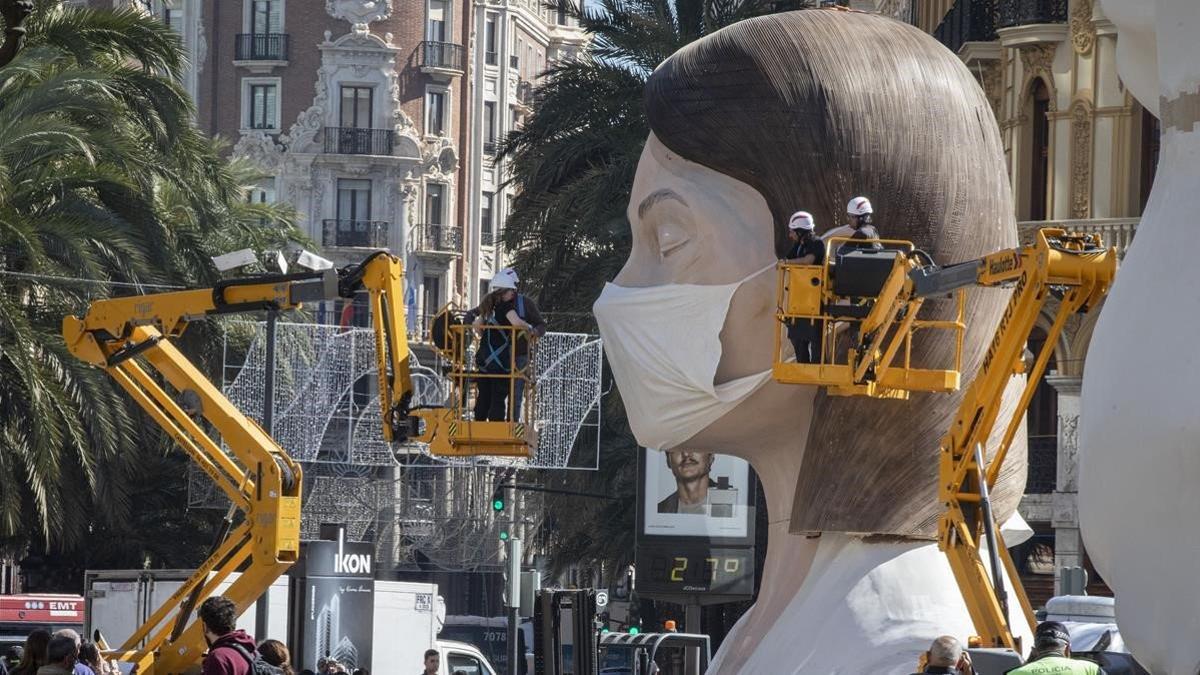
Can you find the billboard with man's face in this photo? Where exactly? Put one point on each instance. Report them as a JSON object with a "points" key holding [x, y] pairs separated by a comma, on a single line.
{"points": [[695, 494]]}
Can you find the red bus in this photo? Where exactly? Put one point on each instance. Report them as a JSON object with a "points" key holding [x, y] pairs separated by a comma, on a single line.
{"points": [[20, 614]]}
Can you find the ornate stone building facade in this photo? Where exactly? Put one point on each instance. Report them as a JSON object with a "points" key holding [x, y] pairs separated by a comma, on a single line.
{"points": [[378, 120], [1081, 153]]}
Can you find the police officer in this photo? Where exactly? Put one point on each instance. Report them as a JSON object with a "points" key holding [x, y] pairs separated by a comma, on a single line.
{"points": [[1052, 654], [807, 249]]}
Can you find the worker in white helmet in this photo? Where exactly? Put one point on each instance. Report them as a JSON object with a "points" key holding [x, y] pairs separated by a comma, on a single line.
{"points": [[496, 354], [807, 249], [858, 212]]}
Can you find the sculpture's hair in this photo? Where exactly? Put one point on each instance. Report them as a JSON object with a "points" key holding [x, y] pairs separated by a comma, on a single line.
{"points": [[816, 106]]}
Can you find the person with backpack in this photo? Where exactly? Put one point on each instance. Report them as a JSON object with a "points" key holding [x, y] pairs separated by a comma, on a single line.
{"points": [[496, 354], [231, 651]]}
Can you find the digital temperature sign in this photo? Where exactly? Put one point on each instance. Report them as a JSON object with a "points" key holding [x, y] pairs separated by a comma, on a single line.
{"points": [[695, 542], [669, 569]]}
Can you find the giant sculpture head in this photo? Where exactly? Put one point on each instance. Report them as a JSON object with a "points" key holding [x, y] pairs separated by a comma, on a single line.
{"points": [[801, 110]]}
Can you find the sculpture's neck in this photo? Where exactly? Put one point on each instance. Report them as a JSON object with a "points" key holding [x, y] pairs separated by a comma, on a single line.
{"points": [[816, 588]]}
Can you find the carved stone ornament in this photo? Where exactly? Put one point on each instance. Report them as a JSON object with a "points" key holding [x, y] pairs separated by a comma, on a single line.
{"points": [[440, 159], [260, 149], [359, 11], [992, 81], [1081, 158], [1083, 31], [1038, 61]]}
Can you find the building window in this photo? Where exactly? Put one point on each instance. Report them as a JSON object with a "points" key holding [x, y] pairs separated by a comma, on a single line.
{"points": [[489, 122], [1039, 157], [483, 287], [262, 104], [561, 15], [490, 57], [266, 17], [435, 200], [487, 232], [262, 193], [436, 30], [433, 296], [1151, 133], [353, 199], [172, 13], [435, 113], [356, 107]]}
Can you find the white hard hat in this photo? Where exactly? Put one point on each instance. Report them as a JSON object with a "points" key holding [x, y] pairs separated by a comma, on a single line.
{"points": [[859, 206], [504, 279], [801, 220]]}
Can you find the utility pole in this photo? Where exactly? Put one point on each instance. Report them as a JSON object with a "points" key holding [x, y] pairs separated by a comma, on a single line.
{"points": [[513, 604], [262, 607]]}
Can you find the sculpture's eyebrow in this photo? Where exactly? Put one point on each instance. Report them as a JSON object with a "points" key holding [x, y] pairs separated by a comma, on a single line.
{"points": [[656, 197]]}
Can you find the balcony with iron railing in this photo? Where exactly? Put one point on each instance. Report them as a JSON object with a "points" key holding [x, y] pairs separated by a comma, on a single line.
{"points": [[441, 59], [491, 148], [967, 21], [1113, 231], [524, 92], [1012, 13], [438, 239], [257, 47], [355, 233], [487, 238], [356, 141]]}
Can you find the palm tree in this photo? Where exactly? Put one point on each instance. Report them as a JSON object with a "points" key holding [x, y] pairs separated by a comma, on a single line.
{"points": [[574, 161], [103, 177]]}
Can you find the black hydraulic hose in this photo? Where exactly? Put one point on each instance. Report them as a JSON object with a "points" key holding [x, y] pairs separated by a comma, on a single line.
{"points": [[989, 529]]}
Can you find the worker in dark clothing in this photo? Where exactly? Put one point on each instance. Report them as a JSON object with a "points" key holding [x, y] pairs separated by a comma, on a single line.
{"points": [[807, 249], [497, 354], [946, 655], [860, 213], [1052, 654]]}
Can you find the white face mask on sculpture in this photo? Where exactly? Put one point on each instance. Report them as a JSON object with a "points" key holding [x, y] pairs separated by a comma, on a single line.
{"points": [[664, 346]]}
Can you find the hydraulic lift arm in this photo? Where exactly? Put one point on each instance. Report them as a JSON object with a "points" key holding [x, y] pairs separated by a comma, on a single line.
{"points": [[1078, 270], [127, 337], [1073, 267]]}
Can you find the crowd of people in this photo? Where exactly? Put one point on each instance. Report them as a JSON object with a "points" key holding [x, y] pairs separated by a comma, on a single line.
{"points": [[60, 653], [1051, 655], [231, 651]]}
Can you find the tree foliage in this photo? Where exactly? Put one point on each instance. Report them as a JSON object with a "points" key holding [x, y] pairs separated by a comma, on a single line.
{"points": [[104, 177]]}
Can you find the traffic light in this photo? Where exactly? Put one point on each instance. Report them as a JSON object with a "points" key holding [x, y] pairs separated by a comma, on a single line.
{"points": [[634, 630], [498, 506]]}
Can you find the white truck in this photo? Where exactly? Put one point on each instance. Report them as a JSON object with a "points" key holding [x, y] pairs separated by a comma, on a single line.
{"points": [[407, 618]]}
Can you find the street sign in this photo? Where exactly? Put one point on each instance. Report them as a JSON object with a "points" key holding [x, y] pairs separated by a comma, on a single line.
{"points": [[601, 598]]}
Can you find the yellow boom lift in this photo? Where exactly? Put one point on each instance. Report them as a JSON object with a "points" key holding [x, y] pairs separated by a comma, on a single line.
{"points": [[880, 293], [130, 338]]}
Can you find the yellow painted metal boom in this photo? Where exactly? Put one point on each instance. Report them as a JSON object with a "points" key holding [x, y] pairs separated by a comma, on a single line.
{"points": [[1078, 270], [128, 338], [889, 288]]}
